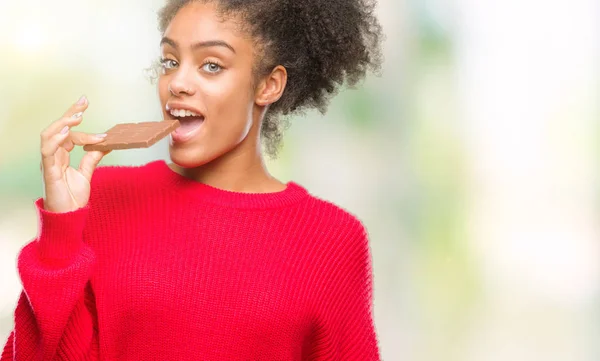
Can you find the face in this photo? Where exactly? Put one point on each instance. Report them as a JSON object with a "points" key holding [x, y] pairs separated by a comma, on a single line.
{"points": [[206, 83]]}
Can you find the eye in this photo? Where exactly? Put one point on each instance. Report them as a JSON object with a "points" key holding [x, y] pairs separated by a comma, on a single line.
{"points": [[211, 67], [168, 64]]}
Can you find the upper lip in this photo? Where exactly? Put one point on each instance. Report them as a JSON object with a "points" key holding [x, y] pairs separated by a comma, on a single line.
{"points": [[173, 105]]}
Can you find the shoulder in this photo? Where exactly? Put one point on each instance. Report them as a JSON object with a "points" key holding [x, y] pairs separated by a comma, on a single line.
{"points": [[340, 247], [335, 222], [121, 179], [112, 175], [119, 173]]}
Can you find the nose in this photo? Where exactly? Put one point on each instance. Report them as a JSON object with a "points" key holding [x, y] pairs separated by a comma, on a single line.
{"points": [[180, 85]]}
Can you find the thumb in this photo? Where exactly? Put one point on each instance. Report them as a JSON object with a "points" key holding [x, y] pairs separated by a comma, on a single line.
{"points": [[89, 162]]}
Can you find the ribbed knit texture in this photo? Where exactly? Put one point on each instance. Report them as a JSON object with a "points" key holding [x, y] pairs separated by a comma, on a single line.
{"points": [[160, 267]]}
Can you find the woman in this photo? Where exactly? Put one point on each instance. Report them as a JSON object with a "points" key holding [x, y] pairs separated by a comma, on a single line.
{"points": [[210, 257]]}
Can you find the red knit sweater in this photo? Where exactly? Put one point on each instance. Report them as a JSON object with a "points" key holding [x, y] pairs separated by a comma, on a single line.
{"points": [[160, 267]]}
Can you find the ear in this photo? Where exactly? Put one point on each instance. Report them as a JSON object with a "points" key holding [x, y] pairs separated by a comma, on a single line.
{"points": [[271, 87]]}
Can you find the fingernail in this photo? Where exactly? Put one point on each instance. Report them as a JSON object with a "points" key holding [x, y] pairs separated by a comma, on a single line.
{"points": [[76, 115], [81, 100], [64, 130], [100, 135]]}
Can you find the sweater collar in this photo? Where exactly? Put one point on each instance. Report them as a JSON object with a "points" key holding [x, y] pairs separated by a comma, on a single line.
{"points": [[160, 172]]}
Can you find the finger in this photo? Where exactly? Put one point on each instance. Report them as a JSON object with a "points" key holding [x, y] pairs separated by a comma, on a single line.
{"points": [[68, 145], [79, 138], [72, 117], [49, 148], [59, 125], [89, 162], [80, 106]]}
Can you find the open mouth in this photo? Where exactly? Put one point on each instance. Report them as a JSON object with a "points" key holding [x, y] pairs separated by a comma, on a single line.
{"points": [[190, 122]]}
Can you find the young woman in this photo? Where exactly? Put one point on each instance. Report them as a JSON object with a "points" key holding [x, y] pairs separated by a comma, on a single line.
{"points": [[209, 257]]}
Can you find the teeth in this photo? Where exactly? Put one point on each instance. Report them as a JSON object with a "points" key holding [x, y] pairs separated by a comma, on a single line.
{"points": [[183, 113]]}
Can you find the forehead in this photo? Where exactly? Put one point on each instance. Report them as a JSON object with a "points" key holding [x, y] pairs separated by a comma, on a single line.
{"points": [[198, 21]]}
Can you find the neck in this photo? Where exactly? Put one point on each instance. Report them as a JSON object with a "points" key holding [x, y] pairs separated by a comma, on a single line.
{"points": [[241, 172], [242, 169]]}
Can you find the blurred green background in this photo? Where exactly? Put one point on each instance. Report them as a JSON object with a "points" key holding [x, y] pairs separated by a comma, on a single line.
{"points": [[473, 160]]}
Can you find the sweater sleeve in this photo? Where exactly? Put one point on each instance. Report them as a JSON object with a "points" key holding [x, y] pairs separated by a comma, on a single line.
{"points": [[346, 330], [55, 317]]}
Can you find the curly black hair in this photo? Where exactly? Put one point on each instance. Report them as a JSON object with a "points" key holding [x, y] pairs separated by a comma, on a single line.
{"points": [[321, 43]]}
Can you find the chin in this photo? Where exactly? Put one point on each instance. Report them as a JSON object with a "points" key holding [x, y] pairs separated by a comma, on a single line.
{"points": [[188, 157], [195, 152]]}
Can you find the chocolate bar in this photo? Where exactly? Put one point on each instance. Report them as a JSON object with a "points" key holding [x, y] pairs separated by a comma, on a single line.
{"points": [[134, 135]]}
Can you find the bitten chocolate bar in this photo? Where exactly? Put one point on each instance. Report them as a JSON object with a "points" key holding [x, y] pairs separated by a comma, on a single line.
{"points": [[134, 135]]}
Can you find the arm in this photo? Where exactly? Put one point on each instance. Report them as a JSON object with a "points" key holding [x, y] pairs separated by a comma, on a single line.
{"points": [[346, 329], [55, 317]]}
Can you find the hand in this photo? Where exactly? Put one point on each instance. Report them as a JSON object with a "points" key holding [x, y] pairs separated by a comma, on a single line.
{"points": [[65, 188]]}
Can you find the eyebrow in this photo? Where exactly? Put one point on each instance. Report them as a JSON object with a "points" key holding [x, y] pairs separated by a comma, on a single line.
{"points": [[201, 44]]}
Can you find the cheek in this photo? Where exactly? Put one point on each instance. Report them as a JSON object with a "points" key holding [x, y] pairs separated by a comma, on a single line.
{"points": [[163, 89], [231, 115], [223, 88], [231, 102]]}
